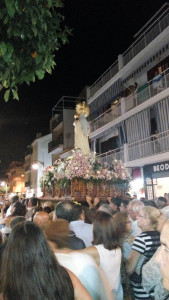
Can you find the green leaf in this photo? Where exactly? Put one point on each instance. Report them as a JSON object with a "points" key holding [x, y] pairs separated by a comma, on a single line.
{"points": [[5, 83], [10, 5], [15, 94], [6, 95], [3, 49], [6, 20], [34, 29], [40, 74], [34, 20]]}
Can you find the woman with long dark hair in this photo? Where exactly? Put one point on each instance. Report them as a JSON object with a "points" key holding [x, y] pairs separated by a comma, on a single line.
{"points": [[30, 270]]}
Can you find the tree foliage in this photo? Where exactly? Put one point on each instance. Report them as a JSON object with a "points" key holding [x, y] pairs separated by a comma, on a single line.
{"points": [[31, 31]]}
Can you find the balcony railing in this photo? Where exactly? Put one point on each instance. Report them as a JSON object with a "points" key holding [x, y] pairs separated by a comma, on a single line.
{"points": [[148, 36], [111, 155], [108, 116], [104, 78], [154, 87], [54, 144], [155, 144]]}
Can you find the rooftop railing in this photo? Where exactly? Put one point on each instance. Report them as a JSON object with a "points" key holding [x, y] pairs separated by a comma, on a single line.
{"points": [[155, 144], [108, 116], [148, 36], [111, 155]]}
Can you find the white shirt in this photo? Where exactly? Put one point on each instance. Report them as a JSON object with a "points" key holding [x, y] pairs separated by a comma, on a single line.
{"points": [[85, 268], [135, 230], [83, 231]]}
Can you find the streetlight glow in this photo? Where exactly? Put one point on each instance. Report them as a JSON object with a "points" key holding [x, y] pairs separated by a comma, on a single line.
{"points": [[35, 166]]}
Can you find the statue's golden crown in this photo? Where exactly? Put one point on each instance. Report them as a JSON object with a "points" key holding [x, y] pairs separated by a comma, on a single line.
{"points": [[82, 108]]}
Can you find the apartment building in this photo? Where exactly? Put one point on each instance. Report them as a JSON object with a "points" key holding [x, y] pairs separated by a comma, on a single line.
{"points": [[16, 177], [129, 107]]}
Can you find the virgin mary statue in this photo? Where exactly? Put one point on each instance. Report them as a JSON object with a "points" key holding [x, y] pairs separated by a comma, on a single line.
{"points": [[82, 128]]}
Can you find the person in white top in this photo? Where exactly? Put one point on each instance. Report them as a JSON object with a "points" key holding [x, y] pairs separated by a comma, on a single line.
{"points": [[133, 208], [106, 251]]}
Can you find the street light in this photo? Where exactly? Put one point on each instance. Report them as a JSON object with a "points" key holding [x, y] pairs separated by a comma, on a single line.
{"points": [[35, 165]]}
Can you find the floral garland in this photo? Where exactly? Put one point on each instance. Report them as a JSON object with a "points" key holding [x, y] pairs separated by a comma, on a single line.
{"points": [[82, 167]]}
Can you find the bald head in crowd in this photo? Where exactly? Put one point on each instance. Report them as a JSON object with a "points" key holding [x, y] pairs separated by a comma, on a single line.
{"points": [[41, 218]]}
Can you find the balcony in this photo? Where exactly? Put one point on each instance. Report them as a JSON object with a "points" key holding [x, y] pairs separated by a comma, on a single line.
{"points": [[155, 144], [150, 89], [108, 116], [146, 38], [55, 144], [111, 155]]}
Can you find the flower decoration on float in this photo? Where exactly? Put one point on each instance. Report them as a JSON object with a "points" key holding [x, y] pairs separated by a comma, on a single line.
{"points": [[87, 168]]}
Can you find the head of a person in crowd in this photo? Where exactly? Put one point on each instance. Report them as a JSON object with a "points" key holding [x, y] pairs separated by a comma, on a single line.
{"points": [[35, 210], [133, 208], [41, 218], [162, 255], [148, 218], [115, 203], [57, 234], [16, 221], [14, 199], [32, 202], [161, 202], [123, 205], [78, 212], [64, 210], [149, 203], [47, 209], [163, 218], [104, 231], [48, 204], [32, 267], [18, 209], [106, 208], [123, 223], [88, 213]]}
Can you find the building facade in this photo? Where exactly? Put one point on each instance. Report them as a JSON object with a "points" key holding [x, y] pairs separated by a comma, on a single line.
{"points": [[129, 107], [16, 178], [37, 153]]}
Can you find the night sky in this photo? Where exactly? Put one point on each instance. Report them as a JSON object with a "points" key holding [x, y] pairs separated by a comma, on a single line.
{"points": [[101, 31]]}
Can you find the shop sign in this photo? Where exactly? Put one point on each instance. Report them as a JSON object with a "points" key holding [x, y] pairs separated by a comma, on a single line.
{"points": [[156, 170], [161, 167]]}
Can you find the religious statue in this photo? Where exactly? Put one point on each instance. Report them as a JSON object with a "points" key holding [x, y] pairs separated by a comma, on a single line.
{"points": [[82, 128]]}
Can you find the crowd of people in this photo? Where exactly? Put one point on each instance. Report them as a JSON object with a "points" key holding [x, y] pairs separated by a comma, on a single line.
{"points": [[102, 250]]}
